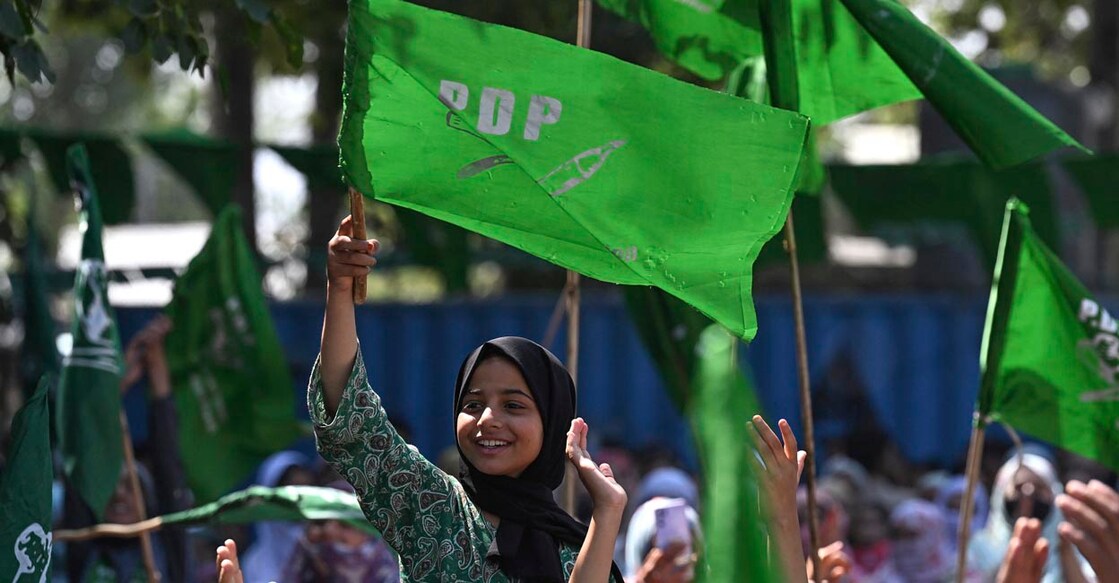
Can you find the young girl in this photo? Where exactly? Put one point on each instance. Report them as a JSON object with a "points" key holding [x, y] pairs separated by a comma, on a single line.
{"points": [[515, 406]]}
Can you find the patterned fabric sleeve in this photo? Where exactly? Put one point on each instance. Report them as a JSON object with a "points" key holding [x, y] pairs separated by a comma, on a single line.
{"points": [[423, 513]]}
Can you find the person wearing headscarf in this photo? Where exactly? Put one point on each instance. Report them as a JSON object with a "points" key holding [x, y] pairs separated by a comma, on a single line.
{"points": [[641, 541], [921, 553], [949, 498], [1025, 486], [515, 426], [275, 540]]}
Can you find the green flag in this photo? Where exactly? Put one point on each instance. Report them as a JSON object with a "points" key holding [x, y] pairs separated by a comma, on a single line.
{"points": [[207, 165], [292, 503], [1050, 356], [88, 406], [1098, 178], [232, 386], [697, 363], [602, 167], [839, 69], [1001, 128], [25, 495]]}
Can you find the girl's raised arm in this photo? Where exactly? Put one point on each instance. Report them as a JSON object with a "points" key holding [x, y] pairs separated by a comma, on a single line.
{"points": [[347, 258]]}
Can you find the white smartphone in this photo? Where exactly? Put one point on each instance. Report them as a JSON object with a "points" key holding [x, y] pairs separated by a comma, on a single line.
{"points": [[672, 526]]}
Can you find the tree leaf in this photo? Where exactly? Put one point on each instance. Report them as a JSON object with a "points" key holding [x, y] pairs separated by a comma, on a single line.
{"points": [[187, 48], [162, 49], [31, 62], [143, 7], [134, 36], [258, 10], [11, 24]]}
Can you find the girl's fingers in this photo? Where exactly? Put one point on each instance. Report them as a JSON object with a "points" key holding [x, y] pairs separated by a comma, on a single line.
{"points": [[767, 436], [347, 227], [606, 470], [342, 244], [789, 438], [801, 457]]}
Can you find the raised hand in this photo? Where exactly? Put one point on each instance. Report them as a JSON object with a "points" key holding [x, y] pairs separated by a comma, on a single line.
{"points": [[1091, 523], [778, 473], [834, 562], [229, 567], [598, 479], [1025, 557], [348, 258]]}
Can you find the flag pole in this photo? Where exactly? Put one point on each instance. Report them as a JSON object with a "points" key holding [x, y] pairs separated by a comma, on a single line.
{"points": [[138, 499], [571, 288], [108, 531], [967, 505], [357, 214], [784, 92]]}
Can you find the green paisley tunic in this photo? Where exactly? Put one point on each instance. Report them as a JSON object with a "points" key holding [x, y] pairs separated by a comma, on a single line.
{"points": [[423, 513]]}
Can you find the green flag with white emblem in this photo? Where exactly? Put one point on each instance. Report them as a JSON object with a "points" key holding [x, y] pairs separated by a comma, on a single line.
{"points": [[1050, 356], [599, 166], [88, 406], [25, 495], [233, 389]]}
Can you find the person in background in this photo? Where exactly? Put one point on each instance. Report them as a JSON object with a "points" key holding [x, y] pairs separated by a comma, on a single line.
{"points": [[648, 562], [161, 477], [1026, 486], [921, 553], [275, 540], [950, 498], [332, 551]]}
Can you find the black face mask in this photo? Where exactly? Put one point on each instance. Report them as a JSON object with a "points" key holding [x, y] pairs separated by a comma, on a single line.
{"points": [[1040, 510]]}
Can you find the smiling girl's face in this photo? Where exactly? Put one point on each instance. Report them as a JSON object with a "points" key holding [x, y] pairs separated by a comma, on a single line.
{"points": [[498, 427]]}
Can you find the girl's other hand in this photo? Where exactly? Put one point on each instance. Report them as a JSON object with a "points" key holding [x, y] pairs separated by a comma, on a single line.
{"points": [[229, 568], [348, 258], [598, 479]]}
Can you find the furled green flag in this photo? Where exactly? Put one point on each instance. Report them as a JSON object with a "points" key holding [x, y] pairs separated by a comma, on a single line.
{"points": [[25, 494], [232, 385], [1050, 356], [260, 503], [88, 405], [1001, 128], [596, 165], [697, 363], [841, 71]]}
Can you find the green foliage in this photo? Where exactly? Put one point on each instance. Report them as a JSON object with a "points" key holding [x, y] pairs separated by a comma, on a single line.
{"points": [[162, 27]]}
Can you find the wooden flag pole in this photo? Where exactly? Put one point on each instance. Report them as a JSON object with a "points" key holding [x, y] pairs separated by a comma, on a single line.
{"points": [[571, 289], [357, 212], [967, 505], [809, 440], [138, 500], [109, 531]]}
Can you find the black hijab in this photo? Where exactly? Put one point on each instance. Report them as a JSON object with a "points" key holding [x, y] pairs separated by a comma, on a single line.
{"points": [[531, 522]]}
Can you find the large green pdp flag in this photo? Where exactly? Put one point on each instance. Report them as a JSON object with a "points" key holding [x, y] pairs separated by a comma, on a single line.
{"points": [[840, 70], [88, 406], [599, 166], [25, 494], [1050, 357], [231, 382]]}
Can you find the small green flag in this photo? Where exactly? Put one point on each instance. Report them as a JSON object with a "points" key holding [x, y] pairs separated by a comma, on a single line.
{"points": [[88, 406], [1001, 128], [292, 503], [596, 165], [696, 360], [232, 385], [840, 70], [1050, 356], [25, 494]]}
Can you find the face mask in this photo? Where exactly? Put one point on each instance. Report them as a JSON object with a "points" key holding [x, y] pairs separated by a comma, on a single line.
{"points": [[1040, 509], [871, 557]]}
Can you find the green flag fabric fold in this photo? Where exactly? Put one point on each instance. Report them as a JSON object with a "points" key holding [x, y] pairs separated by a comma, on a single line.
{"points": [[1050, 355], [25, 494], [88, 405], [599, 166], [696, 360], [1001, 128], [110, 167], [209, 166], [290, 503], [40, 351], [232, 385]]}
